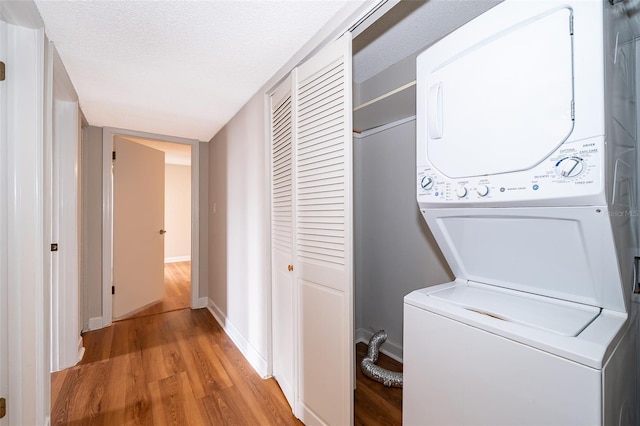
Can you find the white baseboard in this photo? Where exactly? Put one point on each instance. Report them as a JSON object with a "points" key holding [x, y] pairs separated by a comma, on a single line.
{"points": [[94, 323], [80, 350], [203, 302], [177, 259], [253, 356], [393, 350]]}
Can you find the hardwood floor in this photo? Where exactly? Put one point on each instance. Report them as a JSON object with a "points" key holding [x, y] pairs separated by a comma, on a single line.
{"points": [[376, 404], [180, 368], [177, 291], [174, 368]]}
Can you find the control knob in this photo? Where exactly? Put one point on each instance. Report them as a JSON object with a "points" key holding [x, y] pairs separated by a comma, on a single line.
{"points": [[461, 192], [570, 167], [427, 183], [482, 190]]}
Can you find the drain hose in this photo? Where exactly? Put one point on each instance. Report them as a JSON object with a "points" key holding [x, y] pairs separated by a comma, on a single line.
{"points": [[377, 373]]}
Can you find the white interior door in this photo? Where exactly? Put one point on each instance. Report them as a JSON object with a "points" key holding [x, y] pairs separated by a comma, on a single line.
{"points": [[283, 289], [324, 246], [138, 226]]}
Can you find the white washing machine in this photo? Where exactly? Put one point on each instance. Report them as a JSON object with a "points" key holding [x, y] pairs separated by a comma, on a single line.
{"points": [[526, 176]]}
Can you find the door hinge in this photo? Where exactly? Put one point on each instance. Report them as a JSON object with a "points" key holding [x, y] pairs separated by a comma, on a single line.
{"points": [[113, 289], [3, 407], [571, 25], [2, 72], [113, 155], [573, 110], [54, 246]]}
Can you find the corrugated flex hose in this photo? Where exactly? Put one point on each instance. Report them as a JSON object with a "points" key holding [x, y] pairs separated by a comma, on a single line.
{"points": [[377, 373]]}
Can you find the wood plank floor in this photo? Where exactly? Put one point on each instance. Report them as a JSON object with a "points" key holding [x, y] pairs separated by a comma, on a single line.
{"points": [[174, 368], [180, 368], [177, 291], [376, 404]]}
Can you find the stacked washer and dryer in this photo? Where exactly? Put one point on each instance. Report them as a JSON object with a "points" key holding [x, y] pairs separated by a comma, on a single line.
{"points": [[526, 175]]}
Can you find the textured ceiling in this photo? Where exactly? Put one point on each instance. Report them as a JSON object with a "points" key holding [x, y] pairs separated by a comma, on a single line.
{"points": [[179, 68], [408, 28]]}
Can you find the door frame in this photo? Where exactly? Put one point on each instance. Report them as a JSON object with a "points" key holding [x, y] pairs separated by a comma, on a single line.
{"points": [[107, 215], [62, 212]]}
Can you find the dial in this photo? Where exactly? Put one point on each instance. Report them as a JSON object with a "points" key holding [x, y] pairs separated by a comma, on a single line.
{"points": [[570, 167], [461, 192], [427, 183], [482, 190]]}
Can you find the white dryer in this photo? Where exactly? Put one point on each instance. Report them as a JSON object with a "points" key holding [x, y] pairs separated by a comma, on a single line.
{"points": [[526, 176]]}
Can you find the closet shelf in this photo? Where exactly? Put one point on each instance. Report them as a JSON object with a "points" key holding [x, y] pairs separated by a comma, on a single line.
{"points": [[392, 106]]}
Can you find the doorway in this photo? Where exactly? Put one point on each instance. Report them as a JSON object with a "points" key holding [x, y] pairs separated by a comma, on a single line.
{"points": [[171, 271], [189, 148]]}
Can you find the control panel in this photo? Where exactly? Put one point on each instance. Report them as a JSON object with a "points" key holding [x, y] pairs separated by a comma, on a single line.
{"points": [[573, 170]]}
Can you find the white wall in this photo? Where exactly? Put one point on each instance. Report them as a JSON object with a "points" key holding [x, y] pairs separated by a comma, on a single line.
{"points": [[238, 232], [395, 251], [177, 213]]}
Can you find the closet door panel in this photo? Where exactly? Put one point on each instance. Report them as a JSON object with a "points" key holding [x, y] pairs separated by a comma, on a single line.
{"points": [[282, 227], [323, 235]]}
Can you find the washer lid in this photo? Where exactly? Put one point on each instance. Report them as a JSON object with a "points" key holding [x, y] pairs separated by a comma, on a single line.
{"points": [[552, 315], [565, 253], [503, 104]]}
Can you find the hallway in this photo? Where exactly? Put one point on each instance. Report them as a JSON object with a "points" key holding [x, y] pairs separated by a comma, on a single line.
{"points": [[174, 368], [168, 364]]}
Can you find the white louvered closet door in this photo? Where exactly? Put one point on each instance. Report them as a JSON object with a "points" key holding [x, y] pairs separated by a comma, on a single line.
{"points": [[323, 235], [283, 292]]}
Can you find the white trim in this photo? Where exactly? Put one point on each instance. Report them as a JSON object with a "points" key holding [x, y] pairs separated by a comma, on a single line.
{"points": [[268, 277], [107, 213], [175, 259], [354, 15], [384, 127], [107, 228], [4, 229], [94, 323], [28, 297], [392, 350], [80, 349], [66, 216], [203, 302], [256, 360], [371, 16], [50, 208], [385, 96], [195, 223]]}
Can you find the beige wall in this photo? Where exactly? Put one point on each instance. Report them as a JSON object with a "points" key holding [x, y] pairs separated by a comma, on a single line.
{"points": [[395, 252], [177, 213], [239, 231], [92, 223], [91, 256]]}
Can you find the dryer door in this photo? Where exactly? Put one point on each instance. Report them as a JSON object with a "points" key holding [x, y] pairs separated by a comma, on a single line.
{"points": [[504, 103]]}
